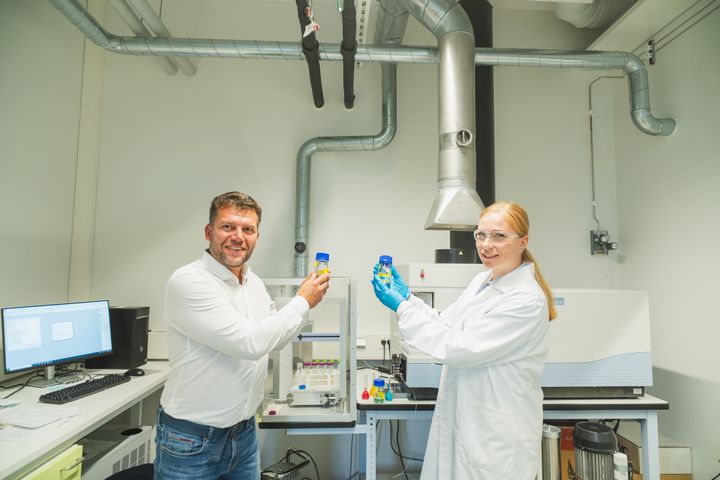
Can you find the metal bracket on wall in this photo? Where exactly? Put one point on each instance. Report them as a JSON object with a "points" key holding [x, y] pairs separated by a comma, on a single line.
{"points": [[600, 243], [650, 51], [363, 20]]}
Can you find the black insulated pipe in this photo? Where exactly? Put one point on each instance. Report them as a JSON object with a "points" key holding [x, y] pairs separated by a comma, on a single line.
{"points": [[348, 49], [311, 50]]}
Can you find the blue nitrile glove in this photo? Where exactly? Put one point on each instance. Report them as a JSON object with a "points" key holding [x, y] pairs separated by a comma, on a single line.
{"points": [[399, 284], [388, 296]]}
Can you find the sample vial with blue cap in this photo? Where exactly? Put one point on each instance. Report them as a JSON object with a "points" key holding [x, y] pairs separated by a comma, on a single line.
{"points": [[385, 269], [379, 396], [321, 263]]}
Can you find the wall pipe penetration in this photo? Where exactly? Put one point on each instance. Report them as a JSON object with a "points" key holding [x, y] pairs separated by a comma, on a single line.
{"points": [[630, 64]]}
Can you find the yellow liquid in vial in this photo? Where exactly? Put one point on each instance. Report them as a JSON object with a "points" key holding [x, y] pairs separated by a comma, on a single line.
{"points": [[321, 268]]}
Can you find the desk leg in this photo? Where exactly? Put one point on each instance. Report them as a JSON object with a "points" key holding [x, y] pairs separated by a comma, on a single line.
{"points": [[136, 414], [362, 440], [370, 446], [651, 445]]}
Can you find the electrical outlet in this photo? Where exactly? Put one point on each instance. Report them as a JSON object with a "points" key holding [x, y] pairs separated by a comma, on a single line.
{"points": [[373, 346]]}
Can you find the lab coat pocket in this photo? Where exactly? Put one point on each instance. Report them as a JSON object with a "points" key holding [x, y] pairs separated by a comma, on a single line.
{"points": [[486, 443]]}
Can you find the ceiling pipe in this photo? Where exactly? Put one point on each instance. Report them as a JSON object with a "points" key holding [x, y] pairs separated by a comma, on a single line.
{"points": [[310, 48], [630, 64], [156, 25], [348, 48], [136, 26]]}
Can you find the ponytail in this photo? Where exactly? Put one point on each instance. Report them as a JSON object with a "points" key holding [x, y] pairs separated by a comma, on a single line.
{"points": [[552, 311]]}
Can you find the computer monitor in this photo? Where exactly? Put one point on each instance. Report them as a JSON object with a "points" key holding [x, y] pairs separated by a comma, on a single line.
{"points": [[42, 336]]}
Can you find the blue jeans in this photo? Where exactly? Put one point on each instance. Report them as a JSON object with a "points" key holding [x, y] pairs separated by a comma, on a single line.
{"points": [[188, 450]]}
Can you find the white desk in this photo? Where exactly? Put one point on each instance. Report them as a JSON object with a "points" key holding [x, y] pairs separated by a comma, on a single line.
{"points": [[642, 409], [19, 458]]}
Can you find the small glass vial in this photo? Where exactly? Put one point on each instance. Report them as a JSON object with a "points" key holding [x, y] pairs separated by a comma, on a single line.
{"points": [[388, 393], [385, 270], [379, 387], [321, 263]]}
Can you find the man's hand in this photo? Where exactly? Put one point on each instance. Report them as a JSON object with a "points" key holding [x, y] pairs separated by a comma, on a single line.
{"points": [[314, 287]]}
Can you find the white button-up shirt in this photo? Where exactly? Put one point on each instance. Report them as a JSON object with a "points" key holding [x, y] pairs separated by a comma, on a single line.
{"points": [[220, 332]]}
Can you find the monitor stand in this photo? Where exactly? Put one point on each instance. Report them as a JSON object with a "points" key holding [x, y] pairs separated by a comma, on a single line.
{"points": [[47, 380]]}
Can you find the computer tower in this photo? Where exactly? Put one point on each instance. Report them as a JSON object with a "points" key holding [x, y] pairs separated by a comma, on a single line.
{"points": [[129, 330]]}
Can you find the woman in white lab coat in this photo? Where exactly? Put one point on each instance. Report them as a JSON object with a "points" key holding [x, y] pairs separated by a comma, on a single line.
{"points": [[487, 423]]}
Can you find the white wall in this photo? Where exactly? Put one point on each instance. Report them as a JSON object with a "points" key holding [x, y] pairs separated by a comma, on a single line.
{"points": [[542, 150], [40, 72], [169, 144], [668, 196]]}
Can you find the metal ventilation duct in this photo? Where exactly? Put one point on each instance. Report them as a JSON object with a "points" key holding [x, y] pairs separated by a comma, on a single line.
{"points": [[630, 64], [457, 205]]}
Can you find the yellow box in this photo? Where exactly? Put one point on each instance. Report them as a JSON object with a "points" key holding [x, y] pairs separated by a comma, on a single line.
{"points": [[66, 465]]}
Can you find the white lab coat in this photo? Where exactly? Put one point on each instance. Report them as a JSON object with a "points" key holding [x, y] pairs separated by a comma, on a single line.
{"points": [[487, 423]]}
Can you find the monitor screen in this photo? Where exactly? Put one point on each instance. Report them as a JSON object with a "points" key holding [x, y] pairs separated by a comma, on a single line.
{"points": [[43, 335]]}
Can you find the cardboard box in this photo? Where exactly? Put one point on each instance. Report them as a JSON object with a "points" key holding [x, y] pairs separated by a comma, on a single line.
{"points": [[569, 457], [565, 458], [567, 451], [663, 476], [674, 457]]}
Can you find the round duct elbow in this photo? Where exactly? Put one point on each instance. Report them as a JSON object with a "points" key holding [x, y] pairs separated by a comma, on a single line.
{"points": [[597, 14], [647, 123]]}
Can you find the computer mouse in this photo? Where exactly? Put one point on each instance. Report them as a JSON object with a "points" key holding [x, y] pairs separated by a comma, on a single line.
{"points": [[135, 372]]}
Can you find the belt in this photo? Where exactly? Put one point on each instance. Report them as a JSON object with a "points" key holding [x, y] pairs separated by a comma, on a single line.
{"points": [[194, 428]]}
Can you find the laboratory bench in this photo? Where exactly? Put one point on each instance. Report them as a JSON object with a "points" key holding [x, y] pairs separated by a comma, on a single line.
{"points": [[132, 403], [643, 409]]}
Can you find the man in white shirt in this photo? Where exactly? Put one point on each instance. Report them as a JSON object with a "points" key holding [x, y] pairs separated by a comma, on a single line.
{"points": [[221, 326]]}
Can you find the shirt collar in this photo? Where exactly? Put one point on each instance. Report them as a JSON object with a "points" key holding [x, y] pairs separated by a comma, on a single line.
{"points": [[221, 271], [524, 272]]}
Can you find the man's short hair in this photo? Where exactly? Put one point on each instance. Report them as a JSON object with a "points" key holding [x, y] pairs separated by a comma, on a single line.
{"points": [[238, 200]]}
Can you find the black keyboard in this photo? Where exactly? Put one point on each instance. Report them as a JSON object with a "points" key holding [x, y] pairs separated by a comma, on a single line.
{"points": [[423, 393], [84, 389]]}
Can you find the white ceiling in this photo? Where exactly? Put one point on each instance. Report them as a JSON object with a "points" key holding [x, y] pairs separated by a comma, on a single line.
{"points": [[530, 4]]}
